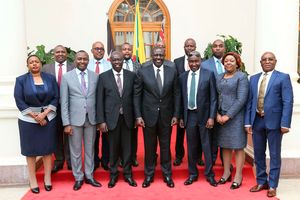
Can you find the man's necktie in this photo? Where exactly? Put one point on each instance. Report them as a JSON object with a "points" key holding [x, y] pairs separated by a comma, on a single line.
{"points": [[219, 67], [120, 88], [127, 65], [83, 83], [159, 82], [59, 77], [261, 94], [192, 96], [97, 70]]}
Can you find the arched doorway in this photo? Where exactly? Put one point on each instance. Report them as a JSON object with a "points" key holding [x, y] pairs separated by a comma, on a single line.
{"points": [[153, 12]]}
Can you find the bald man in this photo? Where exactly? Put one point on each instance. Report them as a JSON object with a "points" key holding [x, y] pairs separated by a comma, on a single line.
{"points": [[99, 65]]}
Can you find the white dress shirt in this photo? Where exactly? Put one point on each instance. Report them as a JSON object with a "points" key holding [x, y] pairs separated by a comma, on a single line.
{"points": [[116, 76], [268, 76], [130, 64], [64, 69], [186, 63], [78, 72], [216, 64]]}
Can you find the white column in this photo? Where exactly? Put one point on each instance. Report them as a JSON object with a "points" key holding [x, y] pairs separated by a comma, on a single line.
{"points": [[13, 57], [277, 31]]}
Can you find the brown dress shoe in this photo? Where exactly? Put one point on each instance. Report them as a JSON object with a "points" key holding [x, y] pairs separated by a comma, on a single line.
{"points": [[259, 187], [271, 192]]}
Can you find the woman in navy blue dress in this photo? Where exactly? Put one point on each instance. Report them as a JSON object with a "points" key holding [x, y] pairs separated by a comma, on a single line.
{"points": [[36, 96]]}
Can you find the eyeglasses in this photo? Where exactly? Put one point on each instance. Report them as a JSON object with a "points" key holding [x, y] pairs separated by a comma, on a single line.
{"points": [[99, 49]]}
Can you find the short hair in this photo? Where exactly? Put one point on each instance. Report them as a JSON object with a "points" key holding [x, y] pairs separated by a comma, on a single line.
{"points": [[33, 55], [236, 56], [195, 53]]}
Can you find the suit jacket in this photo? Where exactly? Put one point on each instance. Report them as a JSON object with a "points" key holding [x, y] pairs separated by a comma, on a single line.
{"points": [[136, 66], [278, 101], [148, 102], [106, 65], [210, 65], [109, 100], [179, 63], [74, 104], [206, 96], [50, 68], [25, 93]]}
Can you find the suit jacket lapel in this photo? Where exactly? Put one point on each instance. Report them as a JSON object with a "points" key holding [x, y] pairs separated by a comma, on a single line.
{"points": [[271, 81], [184, 89], [151, 74], [112, 77], [212, 63], [125, 81], [166, 72], [182, 64], [255, 91]]}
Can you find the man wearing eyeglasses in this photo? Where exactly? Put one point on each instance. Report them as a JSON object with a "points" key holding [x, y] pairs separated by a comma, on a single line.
{"points": [[99, 65]]}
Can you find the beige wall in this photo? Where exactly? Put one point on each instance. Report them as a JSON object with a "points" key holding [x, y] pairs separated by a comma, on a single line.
{"points": [[83, 22]]}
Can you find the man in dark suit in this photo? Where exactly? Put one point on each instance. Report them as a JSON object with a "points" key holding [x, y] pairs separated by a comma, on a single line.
{"points": [[215, 65], [268, 116], [133, 66], [156, 105], [199, 108], [182, 65], [115, 115], [99, 65], [57, 69]]}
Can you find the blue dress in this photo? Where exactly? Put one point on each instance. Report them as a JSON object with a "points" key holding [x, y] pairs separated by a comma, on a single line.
{"points": [[36, 140]]}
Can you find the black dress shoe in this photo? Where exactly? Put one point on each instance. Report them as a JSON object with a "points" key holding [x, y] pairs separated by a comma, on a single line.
{"points": [[56, 168], [131, 182], [148, 180], [223, 180], [190, 180], [104, 166], [47, 187], [35, 190], [135, 163], [200, 162], [77, 185], [93, 182], [212, 181], [177, 162], [169, 181], [69, 167], [112, 182], [121, 163]]}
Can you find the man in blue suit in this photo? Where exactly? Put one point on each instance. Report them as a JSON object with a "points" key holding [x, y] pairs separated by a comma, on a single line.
{"points": [[199, 109], [268, 117], [99, 65], [215, 65]]}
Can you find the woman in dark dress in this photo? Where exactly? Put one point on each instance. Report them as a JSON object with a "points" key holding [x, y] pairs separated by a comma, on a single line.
{"points": [[36, 96], [233, 87]]}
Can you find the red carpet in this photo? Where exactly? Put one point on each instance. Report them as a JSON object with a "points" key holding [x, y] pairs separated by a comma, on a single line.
{"points": [[63, 185]]}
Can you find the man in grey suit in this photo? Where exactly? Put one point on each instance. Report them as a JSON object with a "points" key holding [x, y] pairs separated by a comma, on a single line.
{"points": [[215, 65], [156, 104], [133, 66], [199, 109], [99, 65], [115, 115], [57, 69], [78, 111]]}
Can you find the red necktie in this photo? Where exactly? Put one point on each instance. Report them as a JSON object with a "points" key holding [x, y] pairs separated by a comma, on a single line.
{"points": [[97, 70], [59, 74]]}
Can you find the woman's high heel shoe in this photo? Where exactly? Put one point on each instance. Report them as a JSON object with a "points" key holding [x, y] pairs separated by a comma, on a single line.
{"points": [[223, 180], [47, 187], [35, 190], [236, 185]]}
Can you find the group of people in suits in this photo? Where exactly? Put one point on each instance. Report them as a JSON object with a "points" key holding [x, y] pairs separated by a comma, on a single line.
{"points": [[213, 102]]}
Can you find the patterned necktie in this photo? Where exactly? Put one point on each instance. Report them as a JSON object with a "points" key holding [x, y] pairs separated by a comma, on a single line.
{"points": [[261, 94], [219, 67], [119, 84], [97, 70], [83, 83], [192, 96], [59, 77], [159, 82]]}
